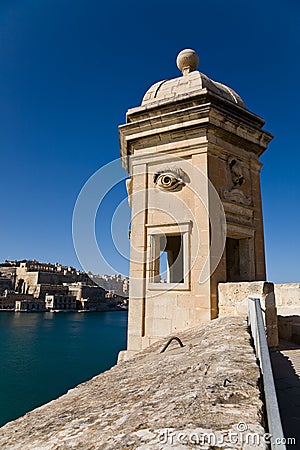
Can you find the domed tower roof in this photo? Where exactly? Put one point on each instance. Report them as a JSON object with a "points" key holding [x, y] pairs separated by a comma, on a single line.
{"points": [[190, 83]]}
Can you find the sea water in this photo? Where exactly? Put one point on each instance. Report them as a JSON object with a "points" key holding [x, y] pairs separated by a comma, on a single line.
{"points": [[42, 355]]}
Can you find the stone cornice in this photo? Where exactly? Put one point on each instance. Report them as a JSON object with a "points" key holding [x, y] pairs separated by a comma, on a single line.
{"points": [[230, 122]]}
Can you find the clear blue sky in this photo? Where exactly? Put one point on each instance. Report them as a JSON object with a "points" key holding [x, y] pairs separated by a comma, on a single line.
{"points": [[69, 70]]}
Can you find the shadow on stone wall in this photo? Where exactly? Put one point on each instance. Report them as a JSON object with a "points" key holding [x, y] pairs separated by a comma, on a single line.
{"points": [[289, 328], [287, 384]]}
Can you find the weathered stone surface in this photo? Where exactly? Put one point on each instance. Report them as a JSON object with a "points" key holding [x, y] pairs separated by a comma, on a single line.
{"points": [[288, 299], [199, 136], [233, 300], [209, 385], [288, 307]]}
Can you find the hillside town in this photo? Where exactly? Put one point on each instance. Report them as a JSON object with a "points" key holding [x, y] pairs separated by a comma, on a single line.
{"points": [[30, 285]]}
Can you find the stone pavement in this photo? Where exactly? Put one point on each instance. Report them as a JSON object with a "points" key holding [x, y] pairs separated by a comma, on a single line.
{"points": [[286, 370]]}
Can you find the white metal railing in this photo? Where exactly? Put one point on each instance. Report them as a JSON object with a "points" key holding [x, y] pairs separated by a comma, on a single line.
{"points": [[256, 322]]}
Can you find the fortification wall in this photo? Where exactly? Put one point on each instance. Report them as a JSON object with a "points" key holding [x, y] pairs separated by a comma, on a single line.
{"points": [[288, 306], [233, 300], [288, 298]]}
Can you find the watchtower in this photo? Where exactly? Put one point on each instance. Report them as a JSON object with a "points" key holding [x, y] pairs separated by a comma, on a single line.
{"points": [[191, 150]]}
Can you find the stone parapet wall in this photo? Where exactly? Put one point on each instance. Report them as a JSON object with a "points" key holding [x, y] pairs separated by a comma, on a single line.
{"points": [[157, 400], [233, 300], [287, 298], [288, 307], [289, 328]]}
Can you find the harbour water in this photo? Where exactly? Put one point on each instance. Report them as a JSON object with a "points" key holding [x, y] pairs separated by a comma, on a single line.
{"points": [[42, 355]]}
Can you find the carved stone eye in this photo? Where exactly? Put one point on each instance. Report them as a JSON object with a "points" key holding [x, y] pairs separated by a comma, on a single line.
{"points": [[168, 181]]}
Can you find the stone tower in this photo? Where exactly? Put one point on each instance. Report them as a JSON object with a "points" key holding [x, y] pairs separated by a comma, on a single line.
{"points": [[191, 150]]}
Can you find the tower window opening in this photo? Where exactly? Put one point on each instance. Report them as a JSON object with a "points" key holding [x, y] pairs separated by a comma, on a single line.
{"points": [[238, 261], [169, 256], [171, 263]]}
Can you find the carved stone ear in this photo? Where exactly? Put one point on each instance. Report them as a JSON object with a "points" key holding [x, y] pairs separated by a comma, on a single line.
{"points": [[170, 179], [231, 162], [236, 172], [235, 194]]}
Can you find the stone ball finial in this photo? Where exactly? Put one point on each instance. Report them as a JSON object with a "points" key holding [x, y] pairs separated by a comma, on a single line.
{"points": [[187, 61]]}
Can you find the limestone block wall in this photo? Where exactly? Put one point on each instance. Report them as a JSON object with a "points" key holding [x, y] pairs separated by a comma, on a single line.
{"points": [[25, 279], [242, 205], [287, 298], [233, 300], [157, 309], [288, 307]]}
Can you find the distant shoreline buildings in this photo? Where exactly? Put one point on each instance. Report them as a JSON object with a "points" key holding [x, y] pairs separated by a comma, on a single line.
{"points": [[29, 285]]}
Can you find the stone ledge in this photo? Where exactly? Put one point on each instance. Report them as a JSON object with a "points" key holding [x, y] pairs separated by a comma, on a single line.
{"points": [[209, 385], [233, 300]]}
